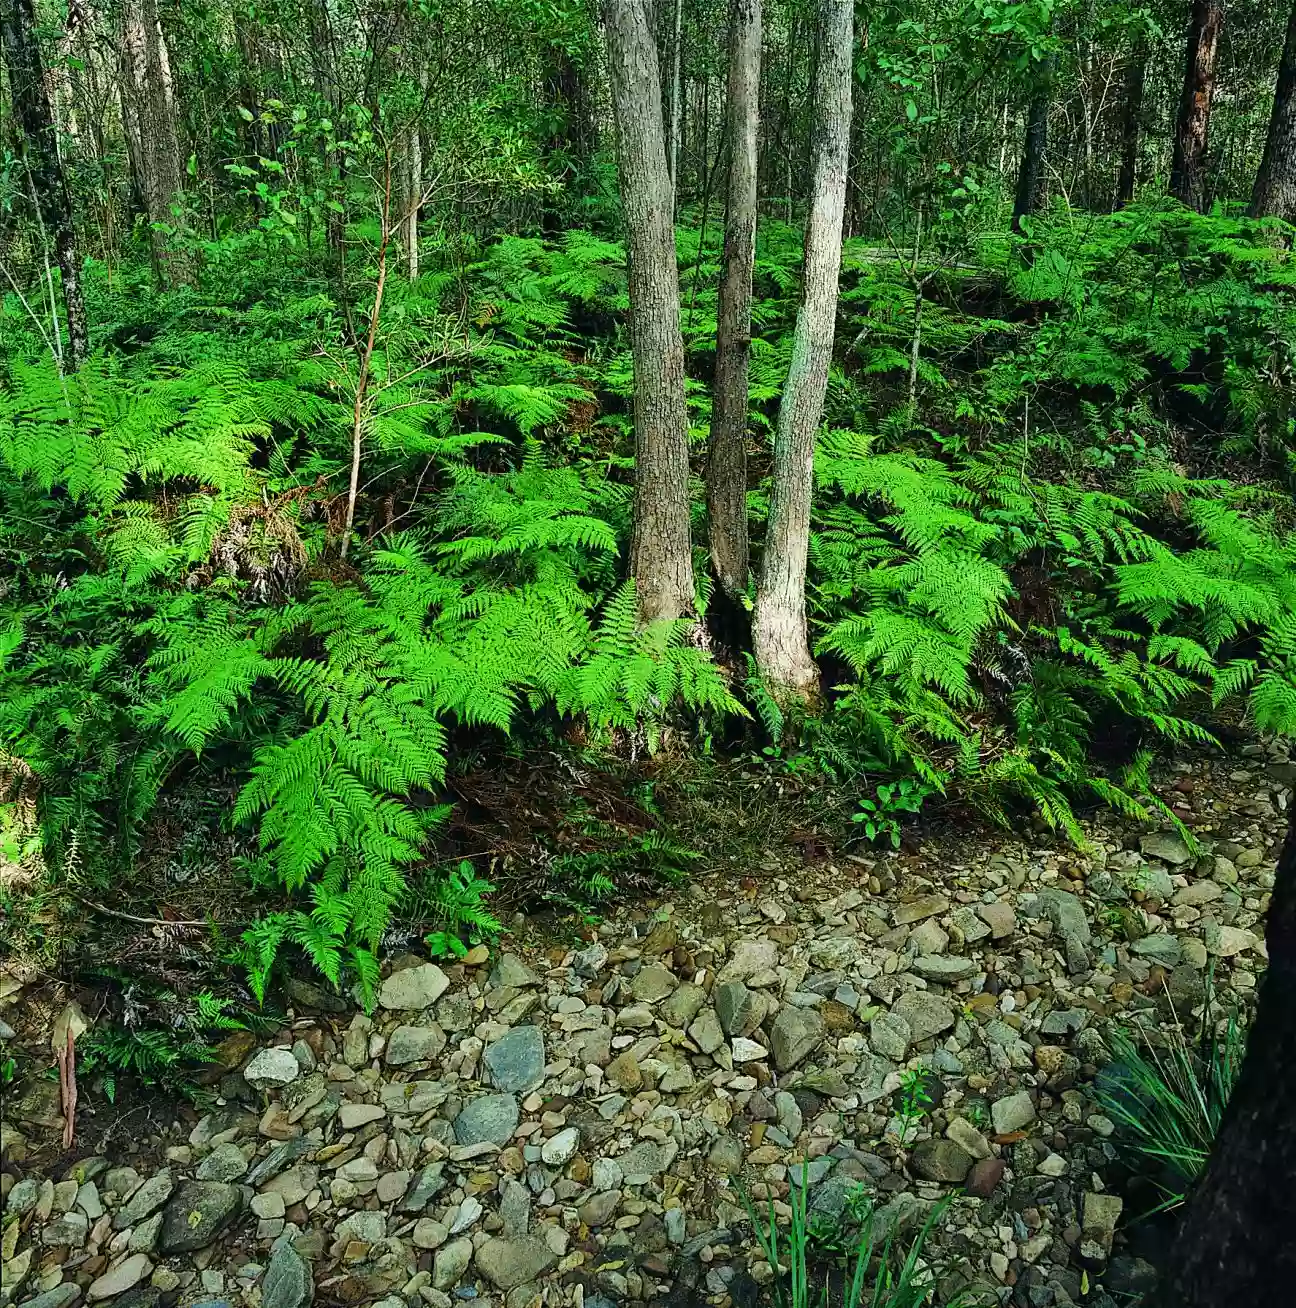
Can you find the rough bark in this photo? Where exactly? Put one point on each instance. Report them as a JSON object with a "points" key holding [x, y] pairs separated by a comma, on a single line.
{"points": [[727, 457], [676, 116], [779, 633], [1274, 194], [1234, 1244], [1029, 195], [31, 108], [1188, 166], [146, 75], [661, 560], [1131, 121]]}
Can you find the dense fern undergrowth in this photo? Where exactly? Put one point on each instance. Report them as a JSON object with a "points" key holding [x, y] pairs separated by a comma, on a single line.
{"points": [[1062, 522]]}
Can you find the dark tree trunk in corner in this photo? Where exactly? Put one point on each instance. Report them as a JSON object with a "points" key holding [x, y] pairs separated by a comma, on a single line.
{"points": [[1131, 122], [1274, 195], [40, 150], [779, 635], [727, 457], [1029, 195], [1235, 1244], [1188, 168], [661, 555]]}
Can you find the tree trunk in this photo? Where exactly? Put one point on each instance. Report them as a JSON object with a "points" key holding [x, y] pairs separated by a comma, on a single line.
{"points": [[1275, 184], [727, 461], [146, 73], [1187, 170], [676, 118], [1131, 120], [1029, 195], [661, 558], [779, 631], [1234, 1244], [31, 108]]}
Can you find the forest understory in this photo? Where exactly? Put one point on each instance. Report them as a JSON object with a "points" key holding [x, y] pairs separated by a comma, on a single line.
{"points": [[706, 591]]}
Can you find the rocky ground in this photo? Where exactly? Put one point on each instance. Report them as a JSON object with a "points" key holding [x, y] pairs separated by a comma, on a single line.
{"points": [[576, 1125]]}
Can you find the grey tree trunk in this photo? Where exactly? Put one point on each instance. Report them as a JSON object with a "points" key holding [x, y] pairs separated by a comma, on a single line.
{"points": [[1188, 166], [31, 108], [1029, 196], [779, 631], [1274, 195], [1131, 119], [676, 116], [727, 457], [146, 74], [661, 559]]}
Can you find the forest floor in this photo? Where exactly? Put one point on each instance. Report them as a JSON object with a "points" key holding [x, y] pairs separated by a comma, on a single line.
{"points": [[574, 1117]]}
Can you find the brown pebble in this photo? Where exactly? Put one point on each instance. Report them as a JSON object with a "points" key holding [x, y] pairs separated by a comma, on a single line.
{"points": [[985, 1175]]}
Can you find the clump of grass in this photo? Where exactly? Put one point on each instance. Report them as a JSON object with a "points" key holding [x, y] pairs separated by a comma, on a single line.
{"points": [[873, 1278], [1167, 1098]]}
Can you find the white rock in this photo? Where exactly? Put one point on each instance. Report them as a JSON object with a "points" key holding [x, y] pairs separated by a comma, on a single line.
{"points": [[272, 1067]]}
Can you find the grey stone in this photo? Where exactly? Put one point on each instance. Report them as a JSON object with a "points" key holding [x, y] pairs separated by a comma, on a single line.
{"points": [[488, 1118], [706, 1031], [965, 1135], [515, 1209], [750, 958], [272, 1067], [59, 1297], [428, 1182], [1012, 1113], [70, 1229], [413, 988], [414, 1044], [739, 1009], [450, 1264], [288, 1280], [684, 1005], [511, 973], [970, 925], [124, 1276], [650, 985], [509, 1263], [647, 1159], [1153, 882], [225, 1163], [889, 1035], [1169, 846], [23, 1197], [941, 1160], [1099, 1216], [1066, 913], [1064, 1021], [1161, 948], [999, 917], [147, 1199], [197, 1213], [1197, 893], [144, 1237], [927, 1014], [944, 968], [917, 909], [560, 1149], [517, 1059], [794, 1036], [726, 1155], [929, 937]]}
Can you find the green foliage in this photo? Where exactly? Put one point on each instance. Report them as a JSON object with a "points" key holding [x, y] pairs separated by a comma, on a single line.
{"points": [[881, 816], [139, 1046], [1167, 1093], [879, 1271], [175, 605]]}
